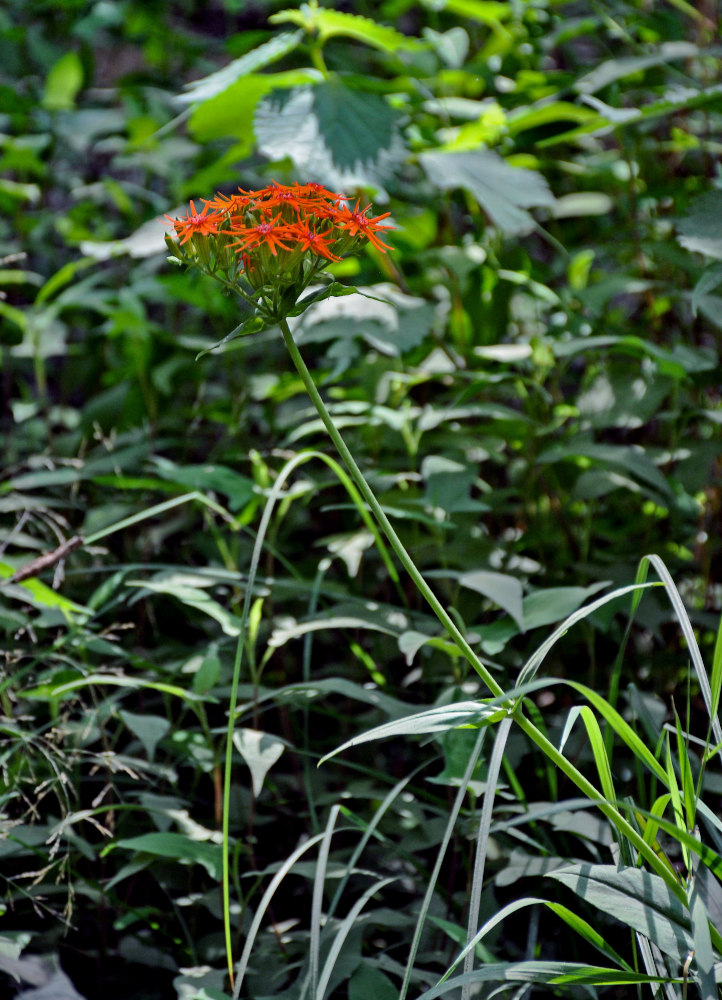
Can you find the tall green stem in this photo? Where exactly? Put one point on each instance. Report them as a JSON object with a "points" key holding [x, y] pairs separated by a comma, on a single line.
{"points": [[378, 512], [528, 727]]}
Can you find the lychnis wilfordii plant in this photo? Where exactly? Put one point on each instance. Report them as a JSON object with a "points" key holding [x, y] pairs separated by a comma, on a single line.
{"points": [[270, 247]]}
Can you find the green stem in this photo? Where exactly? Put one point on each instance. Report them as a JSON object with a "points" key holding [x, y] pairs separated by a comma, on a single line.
{"points": [[532, 732], [378, 512]]}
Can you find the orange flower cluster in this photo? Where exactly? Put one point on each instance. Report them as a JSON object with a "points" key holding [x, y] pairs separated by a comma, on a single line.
{"points": [[276, 239]]}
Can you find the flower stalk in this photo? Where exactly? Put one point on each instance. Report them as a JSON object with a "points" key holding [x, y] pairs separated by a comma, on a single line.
{"points": [[268, 246]]}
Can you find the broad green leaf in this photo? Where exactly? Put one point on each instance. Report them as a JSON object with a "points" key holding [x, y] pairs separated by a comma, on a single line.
{"points": [[176, 847], [284, 633], [544, 607], [231, 112], [220, 478], [331, 132], [260, 752], [200, 983], [637, 898], [448, 485], [38, 594], [306, 692], [216, 83], [327, 23], [701, 230], [387, 319], [175, 585], [63, 83], [503, 590], [523, 865], [622, 400], [615, 69], [149, 729], [505, 193], [627, 459], [709, 281], [369, 981]]}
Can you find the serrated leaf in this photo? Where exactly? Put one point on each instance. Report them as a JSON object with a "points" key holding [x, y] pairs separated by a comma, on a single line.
{"points": [[231, 112], [505, 193], [331, 132], [333, 23]]}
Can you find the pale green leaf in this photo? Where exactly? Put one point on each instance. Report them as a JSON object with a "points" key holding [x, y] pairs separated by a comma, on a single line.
{"points": [[260, 752], [177, 847], [505, 193], [263, 55]]}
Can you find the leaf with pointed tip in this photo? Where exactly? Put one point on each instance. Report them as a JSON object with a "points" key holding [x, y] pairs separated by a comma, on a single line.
{"points": [[504, 192]]}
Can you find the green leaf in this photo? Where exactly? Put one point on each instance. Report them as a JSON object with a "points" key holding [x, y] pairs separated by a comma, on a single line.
{"points": [[219, 478], [368, 981], [178, 586], [489, 12], [263, 55], [333, 23], [505, 193], [615, 69], [39, 595], [63, 83], [149, 729], [176, 847], [254, 324], [637, 898], [709, 281], [331, 132], [631, 460], [504, 590], [260, 752], [231, 112], [544, 607], [701, 230]]}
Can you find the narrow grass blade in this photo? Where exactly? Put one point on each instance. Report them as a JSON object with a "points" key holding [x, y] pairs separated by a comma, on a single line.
{"points": [[263, 906], [342, 933], [456, 808], [482, 842], [317, 900]]}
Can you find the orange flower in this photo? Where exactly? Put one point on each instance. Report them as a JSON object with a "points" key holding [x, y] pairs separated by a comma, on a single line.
{"points": [[358, 224], [310, 240], [264, 234], [195, 222], [285, 234]]}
